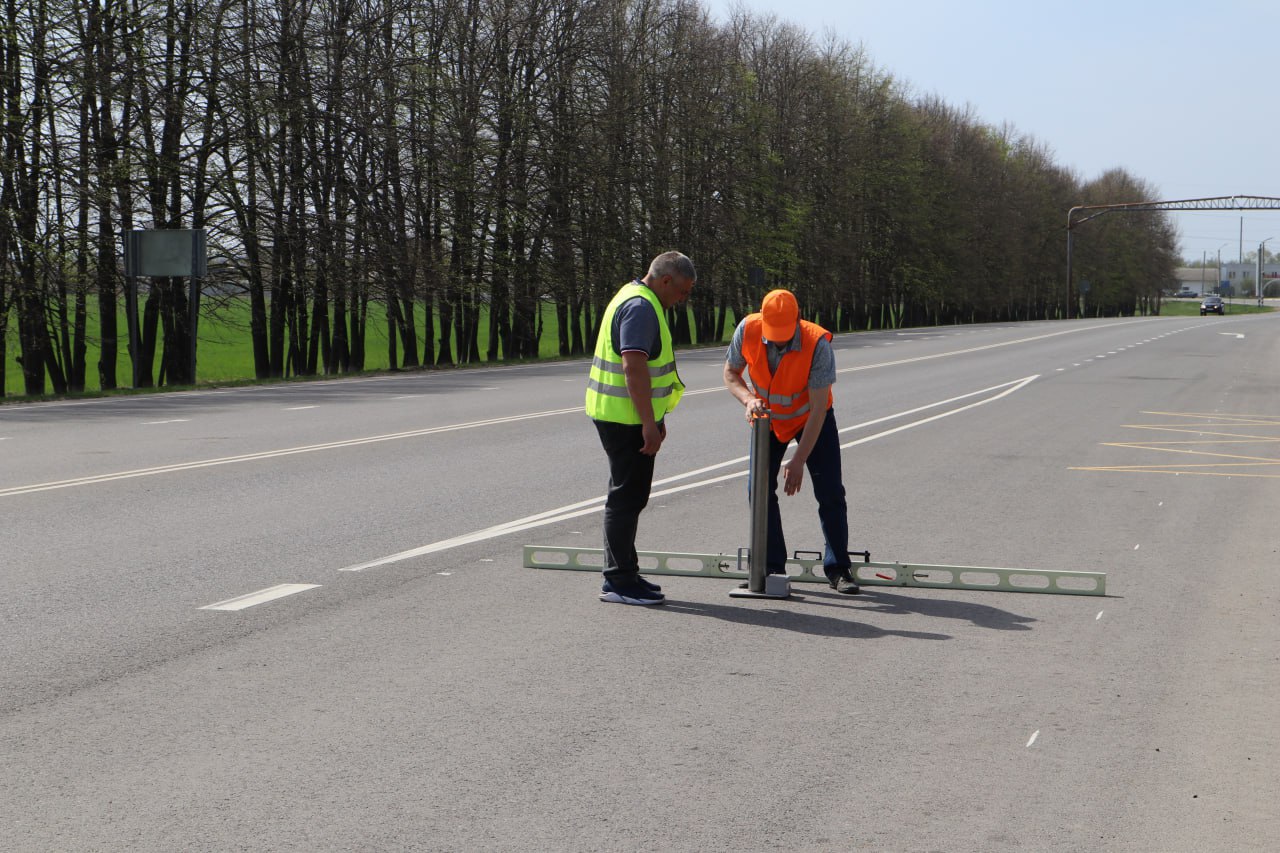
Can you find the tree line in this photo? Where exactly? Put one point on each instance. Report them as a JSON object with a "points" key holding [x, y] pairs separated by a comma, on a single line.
{"points": [[455, 163]]}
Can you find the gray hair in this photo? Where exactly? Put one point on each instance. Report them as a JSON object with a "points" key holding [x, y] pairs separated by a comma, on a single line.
{"points": [[672, 263]]}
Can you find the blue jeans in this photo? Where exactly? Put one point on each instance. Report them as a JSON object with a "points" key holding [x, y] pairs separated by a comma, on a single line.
{"points": [[823, 465]]}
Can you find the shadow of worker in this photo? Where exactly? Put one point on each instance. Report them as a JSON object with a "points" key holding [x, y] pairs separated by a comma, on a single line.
{"points": [[792, 620]]}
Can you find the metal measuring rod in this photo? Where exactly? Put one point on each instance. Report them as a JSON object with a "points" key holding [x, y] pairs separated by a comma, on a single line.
{"points": [[760, 584]]}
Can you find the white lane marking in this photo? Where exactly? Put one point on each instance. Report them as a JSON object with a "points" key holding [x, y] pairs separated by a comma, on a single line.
{"points": [[445, 574], [1060, 369], [272, 454], [173, 421], [1160, 504], [262, 596], [1034, 735], [407, 397], [1136, 547], [1232, 335], [982, 348], [1099, 616], [299, 408], [1077, 364], [4, 438], [593, 505]]}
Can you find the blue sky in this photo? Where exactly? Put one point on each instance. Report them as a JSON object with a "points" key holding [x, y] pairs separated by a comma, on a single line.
{"points": [[1183, 94]]}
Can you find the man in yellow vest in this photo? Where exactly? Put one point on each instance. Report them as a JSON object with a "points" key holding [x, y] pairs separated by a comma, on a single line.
{"points": [[792, 369], [632, 386]]}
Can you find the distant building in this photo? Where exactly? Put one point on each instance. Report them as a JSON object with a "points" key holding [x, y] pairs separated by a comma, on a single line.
{"points": [[1240, 277], [1195, 278]]}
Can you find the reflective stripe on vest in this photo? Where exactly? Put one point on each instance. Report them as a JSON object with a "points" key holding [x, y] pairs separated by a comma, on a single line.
{"points": [[612, 367], [786, 391], [607, 396]]}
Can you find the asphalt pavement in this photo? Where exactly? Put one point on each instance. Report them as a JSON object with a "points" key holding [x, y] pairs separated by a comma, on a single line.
{"points": [[380, 672]]}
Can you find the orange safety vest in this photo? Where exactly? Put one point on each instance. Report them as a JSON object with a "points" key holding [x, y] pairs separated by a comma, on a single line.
{"points": [[787, 391]]}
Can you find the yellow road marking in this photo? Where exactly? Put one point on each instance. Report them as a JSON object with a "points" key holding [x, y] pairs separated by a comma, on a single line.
{"points": [[1180, 471], [1270, 419], [1211, 432], [1191, 452]]}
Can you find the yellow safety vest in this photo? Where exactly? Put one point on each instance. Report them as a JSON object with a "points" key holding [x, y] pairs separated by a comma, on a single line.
{"points": [[607, 397]]}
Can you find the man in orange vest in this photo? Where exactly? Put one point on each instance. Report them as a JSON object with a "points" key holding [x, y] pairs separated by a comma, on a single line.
{"points": [[792, 369]]}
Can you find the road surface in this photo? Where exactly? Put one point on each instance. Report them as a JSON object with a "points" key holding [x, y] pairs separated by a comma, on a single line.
{"points": [[400, 682]]}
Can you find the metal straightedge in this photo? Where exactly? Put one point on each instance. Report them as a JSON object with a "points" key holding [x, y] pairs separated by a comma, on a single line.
{"points": [[800, 570]]}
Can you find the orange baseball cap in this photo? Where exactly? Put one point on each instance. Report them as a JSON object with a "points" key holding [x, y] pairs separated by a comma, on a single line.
{"points": [[780, 314]]}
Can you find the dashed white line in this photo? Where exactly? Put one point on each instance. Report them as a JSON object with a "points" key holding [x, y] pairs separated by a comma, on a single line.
{"points": [[173, 421], [1034, 735], [951, 353], [262, 596], [300, 408], [1099, 616], [1136, 547]]}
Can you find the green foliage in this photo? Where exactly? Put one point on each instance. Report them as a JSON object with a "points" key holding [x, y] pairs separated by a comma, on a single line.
{"points": [[402, 184]]}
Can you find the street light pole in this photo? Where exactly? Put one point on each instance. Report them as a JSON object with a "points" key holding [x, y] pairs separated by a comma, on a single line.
{"points": [[1217, 286], [1258, 286]]}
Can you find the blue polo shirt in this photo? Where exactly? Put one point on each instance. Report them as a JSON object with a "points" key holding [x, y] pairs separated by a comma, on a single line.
{"points": [[636, 329]]}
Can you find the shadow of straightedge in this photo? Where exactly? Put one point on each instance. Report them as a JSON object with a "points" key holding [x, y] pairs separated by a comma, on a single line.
{"points": [[981, 615], [791, 620]]}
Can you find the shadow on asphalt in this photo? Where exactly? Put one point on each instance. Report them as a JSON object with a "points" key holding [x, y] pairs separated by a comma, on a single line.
{"points": [[792, 620], [982, 615]]}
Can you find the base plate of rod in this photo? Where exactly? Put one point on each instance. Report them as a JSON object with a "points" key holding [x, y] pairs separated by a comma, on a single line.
{"points": [[775, 586]]}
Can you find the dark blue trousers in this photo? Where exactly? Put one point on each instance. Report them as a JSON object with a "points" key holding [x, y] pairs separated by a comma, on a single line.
{"points": [[823, 465], [630, 479]]}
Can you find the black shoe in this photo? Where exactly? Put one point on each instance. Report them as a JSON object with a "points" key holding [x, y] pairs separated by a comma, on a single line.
{"points": [[634, 593], [644, 582], [842, 582]]}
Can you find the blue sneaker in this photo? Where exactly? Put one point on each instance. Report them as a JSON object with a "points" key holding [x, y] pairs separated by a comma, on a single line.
{"points": [[632, 593]]}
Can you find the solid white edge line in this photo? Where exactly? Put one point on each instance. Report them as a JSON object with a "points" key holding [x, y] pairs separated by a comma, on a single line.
{"points": [[594, 505], [262, 596], [271, 454]]}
